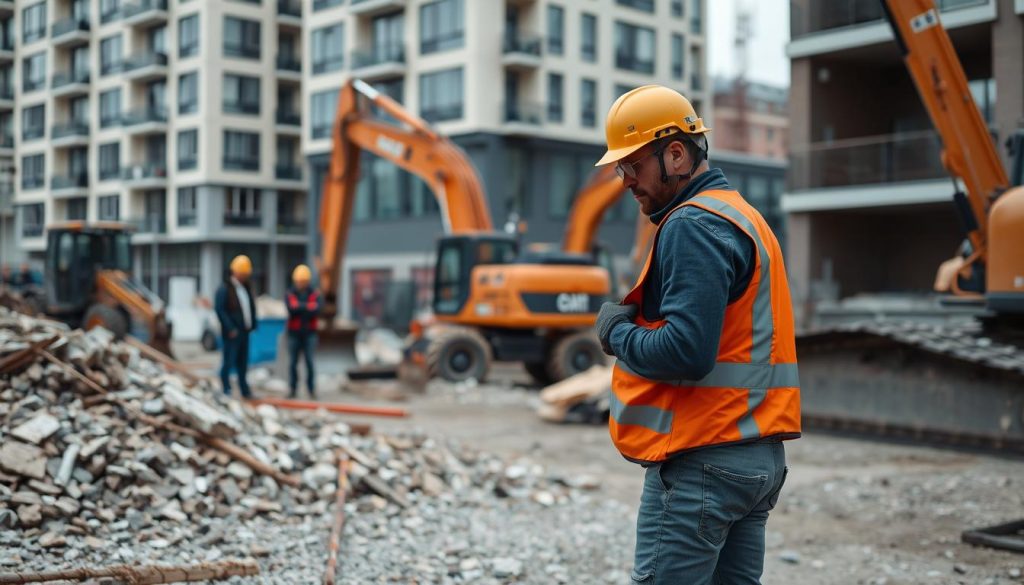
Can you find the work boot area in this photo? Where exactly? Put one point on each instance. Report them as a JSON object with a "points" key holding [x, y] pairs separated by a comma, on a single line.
{"points": [[115, 458]]}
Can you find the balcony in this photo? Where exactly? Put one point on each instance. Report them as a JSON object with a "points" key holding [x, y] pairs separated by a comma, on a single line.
{"points": [[243, 220], [289, 12], [291, 226], [145, 121], [868, 160], [440, 113], [814, 16], [288, 172], [6, 8], [325, 4], [244, 108], [289, 67], [379, 62], [633, 63], [375, 7], [240, 164], [521, 51], [6, 98], [145, 12], [645, 5], [143, 175], [7, 202], [74, 185], [288, 122], [70, 83], [6, 50], [522, 117], [6, 146], [70, 32], [70, 134], [153, 223], [145, 66]]}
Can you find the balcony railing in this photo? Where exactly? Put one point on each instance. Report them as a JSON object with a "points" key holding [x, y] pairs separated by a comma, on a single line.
{"points": [[144, 171], [288, 172], [289, 225], [153, 223], [79, 180], [69, 77], [242, 108], [143, 116], [322, 4], [329, 64], [288, 63], [289, 8], [529, 45], [6, 93], [377, 55], [6, 141], [68, 25], [645, 5], [524, 112], [811, 16], [244, 51], [32, 132], [890, 158], [143, 6], [31, 231], [286, 118], [69, 129], [141, 60], [442, 113], [243, 219], [634, 63], [241, 164]]}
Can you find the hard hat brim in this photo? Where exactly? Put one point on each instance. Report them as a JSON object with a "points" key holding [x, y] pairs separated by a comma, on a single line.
{"points": [[617, 154]]}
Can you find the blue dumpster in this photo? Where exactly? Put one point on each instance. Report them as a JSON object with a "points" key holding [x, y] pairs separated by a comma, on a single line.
{"points": [[262, 341]]}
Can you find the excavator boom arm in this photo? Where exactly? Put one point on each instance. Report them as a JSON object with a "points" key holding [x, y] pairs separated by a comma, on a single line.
{"points": [[602, 191]]}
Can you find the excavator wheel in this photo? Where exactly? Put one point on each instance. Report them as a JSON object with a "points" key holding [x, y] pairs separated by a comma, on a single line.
{"points": [[574, 353], [538, 371], [457, 354], [108, 317]]}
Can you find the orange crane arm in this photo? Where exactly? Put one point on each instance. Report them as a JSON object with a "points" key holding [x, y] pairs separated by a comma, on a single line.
{"points": [[968, 150], [602, 191], [415, 147]]}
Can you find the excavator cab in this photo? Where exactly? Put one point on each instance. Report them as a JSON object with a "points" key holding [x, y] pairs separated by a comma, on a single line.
{"points": [[456, 258], [88, 282]]}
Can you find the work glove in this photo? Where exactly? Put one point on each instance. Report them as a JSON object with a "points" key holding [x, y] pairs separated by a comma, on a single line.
{"points": [[612, 314]]}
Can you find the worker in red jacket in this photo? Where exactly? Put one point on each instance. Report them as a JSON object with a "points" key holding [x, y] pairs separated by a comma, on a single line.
{"points": [[303, 307]]}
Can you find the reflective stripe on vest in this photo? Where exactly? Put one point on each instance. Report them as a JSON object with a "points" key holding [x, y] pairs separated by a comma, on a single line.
{"points": [[755, 379]]}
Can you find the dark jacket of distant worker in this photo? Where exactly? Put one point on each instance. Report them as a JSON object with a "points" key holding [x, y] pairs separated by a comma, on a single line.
{"points": [[705, 386], [303, 304], [235, 306]]}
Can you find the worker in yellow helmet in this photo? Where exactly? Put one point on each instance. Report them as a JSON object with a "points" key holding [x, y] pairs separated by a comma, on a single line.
{"points": [[705, 385], [235, 305], [303, 303]]}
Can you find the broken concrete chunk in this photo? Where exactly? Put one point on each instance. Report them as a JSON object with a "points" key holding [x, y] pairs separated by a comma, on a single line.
{"points": [[37, 429], [22, 459]]}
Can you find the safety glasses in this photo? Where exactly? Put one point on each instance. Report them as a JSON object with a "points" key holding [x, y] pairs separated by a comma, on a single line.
{"points": [[630, 169]]}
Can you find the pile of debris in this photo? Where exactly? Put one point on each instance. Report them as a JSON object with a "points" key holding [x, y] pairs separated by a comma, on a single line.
{"points": [[112, 453]]}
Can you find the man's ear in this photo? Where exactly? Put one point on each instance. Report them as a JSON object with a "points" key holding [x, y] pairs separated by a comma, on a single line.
{"points": [[679, 156]]}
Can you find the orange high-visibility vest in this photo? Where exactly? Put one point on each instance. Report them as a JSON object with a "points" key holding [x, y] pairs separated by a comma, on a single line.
{"points": [[753, 392]]}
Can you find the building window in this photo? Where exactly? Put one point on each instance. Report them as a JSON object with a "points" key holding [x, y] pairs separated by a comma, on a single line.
{"points": [[187, 206], [324, 106], [188, 36], [33, 72], [188, 93], [634, 48], [242, 207], [556, 29], [555, 81], [77, 209], [588, 29], [441, 26], [110, 10], [33, 122], [588, 103], [562, 184], [110, 108], [645, 5], [33, 171], [323, 4], [33, 23], [110, 161], [697, 77], [32, 217], [620, 90], [696, 19], [241, 38], [188, 149], [441, 95], [678, 55], [241, 94], [328, 48], [110, 55], [241, 151], [109, 207]]}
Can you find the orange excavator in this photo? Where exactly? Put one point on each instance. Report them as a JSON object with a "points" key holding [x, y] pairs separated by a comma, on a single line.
{"points": [[490, 302], [991, 264], [89, 284]]}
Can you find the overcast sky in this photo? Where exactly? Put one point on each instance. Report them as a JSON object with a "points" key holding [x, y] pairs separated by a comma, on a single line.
{"points": [[767, 47]]}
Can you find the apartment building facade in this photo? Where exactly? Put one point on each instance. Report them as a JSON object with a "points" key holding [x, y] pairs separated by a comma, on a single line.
{"points": [[181, 117], [868, 201], [522, 85], [751, 117]]}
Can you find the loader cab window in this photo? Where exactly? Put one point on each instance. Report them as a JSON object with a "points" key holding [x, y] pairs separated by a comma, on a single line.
{"points": [[115, 251], [72, 270], [449, 285]]}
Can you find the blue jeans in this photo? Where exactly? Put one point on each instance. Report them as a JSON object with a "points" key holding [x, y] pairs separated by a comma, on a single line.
{"points": [[236, 355], [702, 515], [304, 343]]}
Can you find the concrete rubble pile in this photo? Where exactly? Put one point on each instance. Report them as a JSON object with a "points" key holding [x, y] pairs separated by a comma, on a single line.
{"points": [[162, 461]]}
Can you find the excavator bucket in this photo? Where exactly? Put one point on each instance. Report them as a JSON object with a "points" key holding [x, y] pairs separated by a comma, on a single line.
{"points": [[336, 350]]}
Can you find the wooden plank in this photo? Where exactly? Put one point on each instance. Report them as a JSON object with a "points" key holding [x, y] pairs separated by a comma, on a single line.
{"points": [[146, 575], [24, 357]]}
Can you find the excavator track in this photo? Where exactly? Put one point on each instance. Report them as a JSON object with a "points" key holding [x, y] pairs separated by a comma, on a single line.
{"points": [[948, 385]]}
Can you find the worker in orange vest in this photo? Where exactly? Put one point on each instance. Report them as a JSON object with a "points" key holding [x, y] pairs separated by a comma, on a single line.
{"points": [[303, 303], [705, 385]]}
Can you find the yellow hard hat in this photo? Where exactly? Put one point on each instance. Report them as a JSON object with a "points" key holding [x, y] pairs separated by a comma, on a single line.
{"points": [[302, 274], [645, 114], [241, 264]]}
